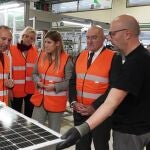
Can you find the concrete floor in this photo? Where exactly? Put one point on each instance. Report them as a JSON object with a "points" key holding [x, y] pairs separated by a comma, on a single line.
{"points": [[66, 124]]}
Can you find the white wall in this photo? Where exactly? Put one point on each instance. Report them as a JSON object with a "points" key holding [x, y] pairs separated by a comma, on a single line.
{"points": [[43, 19], [44, 16]]}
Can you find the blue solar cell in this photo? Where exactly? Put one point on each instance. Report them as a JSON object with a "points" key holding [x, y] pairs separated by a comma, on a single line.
{"points": [[20, 132]]}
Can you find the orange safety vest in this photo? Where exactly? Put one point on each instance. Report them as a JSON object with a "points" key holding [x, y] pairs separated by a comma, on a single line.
{"points": [[22, 69], [94, 81], [4, 74], [52, 101]]}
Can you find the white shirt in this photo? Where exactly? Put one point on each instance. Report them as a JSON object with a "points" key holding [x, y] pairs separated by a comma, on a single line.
{"points": [[96, 53]]}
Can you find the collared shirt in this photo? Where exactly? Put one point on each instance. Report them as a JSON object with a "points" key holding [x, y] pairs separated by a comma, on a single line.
{"points": [[96, 53]]}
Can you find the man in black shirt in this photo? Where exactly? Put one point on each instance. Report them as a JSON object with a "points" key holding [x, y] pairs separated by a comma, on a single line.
{"points": [[129, 97]]}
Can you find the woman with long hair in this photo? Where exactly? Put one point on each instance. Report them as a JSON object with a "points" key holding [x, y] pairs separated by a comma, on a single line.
{"points": [[51, 75]]}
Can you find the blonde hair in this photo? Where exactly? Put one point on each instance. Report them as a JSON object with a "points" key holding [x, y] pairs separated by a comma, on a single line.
{"points": [[56, 37], [26, 30]]}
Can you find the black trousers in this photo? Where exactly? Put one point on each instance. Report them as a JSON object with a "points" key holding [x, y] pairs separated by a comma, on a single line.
{"points": [[148, 147], [100, 135], [16, 104]]}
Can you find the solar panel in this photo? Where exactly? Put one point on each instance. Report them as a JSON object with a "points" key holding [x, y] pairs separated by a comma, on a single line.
{"points": [[18, 132]]}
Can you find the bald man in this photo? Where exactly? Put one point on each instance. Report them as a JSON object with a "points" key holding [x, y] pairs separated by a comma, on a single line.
{"points": [[129, 97], [89, 81]]}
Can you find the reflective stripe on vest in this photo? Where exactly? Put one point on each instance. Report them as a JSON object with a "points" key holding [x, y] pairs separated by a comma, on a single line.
{"points": [[30, 65], [52, 101], [3, 93], [52, 93], [22, 81], [28, 78], [52, 78], [93, 78], [18, 68], [22, 68], [93, 81], [19, 81], [88, 95], [5, 76]]}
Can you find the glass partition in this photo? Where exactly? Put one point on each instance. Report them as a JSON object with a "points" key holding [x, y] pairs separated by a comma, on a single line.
{"points": [[16, 18], [81, 5], [137, 2], [94, 4], [12, 15], [145, 38], [64, 7]]}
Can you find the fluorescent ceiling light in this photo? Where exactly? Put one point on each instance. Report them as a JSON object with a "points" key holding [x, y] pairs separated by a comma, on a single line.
{"points": [[7, 6], [76, 23]]}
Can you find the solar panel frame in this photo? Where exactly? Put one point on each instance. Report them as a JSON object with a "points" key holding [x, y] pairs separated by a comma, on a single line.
{"points": [[20, 128]]}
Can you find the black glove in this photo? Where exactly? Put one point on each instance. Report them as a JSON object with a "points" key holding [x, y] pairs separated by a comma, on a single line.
{"points": [[70, 138], [73, 135]]}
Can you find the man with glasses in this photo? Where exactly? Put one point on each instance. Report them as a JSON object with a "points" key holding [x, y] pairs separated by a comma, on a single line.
{"points": [[112, 33], [95, 69], [129, 97]]}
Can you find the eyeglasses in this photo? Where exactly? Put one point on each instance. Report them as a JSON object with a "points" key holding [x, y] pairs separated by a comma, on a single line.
{"points": [[112, 33]]}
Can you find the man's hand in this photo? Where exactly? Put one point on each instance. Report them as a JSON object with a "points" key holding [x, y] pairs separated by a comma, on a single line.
{"points": [[87, 111], [72, 136], [9, 83], [84, 110], [49, 87], [78, 107]]}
